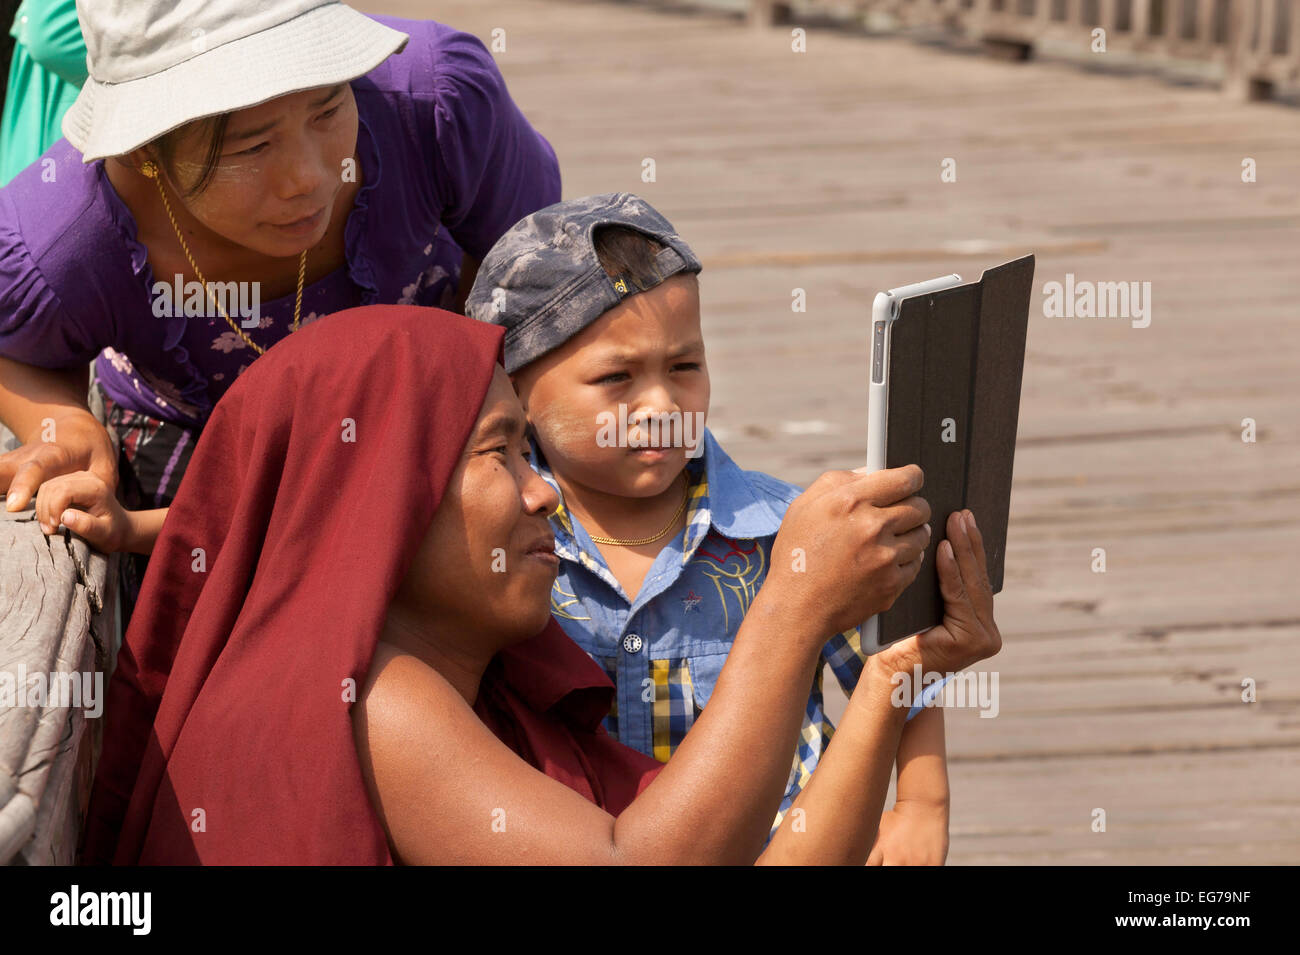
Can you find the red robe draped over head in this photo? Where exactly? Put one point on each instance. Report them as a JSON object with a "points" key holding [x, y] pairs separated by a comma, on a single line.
{"points": [[228, 735]]}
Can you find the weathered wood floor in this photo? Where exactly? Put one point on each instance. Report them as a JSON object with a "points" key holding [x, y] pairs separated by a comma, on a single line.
{"points": [[821, 171]]}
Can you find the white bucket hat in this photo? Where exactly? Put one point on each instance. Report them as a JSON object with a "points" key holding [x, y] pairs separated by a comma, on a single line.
{"points": [[158, 64]]}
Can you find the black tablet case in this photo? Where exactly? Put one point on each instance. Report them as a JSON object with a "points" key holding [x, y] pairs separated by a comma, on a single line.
{"points": [[958, 354]]}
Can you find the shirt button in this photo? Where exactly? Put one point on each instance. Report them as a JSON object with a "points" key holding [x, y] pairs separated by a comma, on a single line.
{"points": [[632, 643]]}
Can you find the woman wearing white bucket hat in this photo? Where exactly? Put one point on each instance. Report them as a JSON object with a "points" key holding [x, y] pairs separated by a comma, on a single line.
{"points": [[233, 170]]}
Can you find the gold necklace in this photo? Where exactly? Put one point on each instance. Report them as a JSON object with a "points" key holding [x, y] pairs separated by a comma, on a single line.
{"points": [[686, 493], [151, 171]]}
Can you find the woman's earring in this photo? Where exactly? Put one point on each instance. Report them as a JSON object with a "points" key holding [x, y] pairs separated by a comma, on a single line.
{"points": [[148, 169]]}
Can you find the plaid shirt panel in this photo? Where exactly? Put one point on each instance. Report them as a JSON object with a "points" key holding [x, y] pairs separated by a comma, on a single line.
{"points": [[674, 705]]}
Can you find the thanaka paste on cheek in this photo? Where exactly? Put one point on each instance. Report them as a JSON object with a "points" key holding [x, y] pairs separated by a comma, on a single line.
{"points": [[225, 175], [568, 440]]}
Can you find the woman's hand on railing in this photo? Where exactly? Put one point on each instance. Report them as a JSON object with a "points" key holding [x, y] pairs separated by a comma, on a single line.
{"points": [[67, 442]]}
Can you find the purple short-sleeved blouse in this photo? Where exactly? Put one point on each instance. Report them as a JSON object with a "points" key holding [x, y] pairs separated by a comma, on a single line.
{"points": [[449, 165]]}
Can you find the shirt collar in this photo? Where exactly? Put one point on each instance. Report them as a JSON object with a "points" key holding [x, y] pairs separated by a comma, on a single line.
{"points": [[736, 509], [551, 673]]}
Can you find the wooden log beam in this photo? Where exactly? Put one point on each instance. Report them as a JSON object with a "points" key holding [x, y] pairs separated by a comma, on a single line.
{"points": [[57, 643]]}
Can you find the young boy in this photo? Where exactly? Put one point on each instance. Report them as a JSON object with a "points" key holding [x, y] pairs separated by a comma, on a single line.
{"points": [[663, 541]]}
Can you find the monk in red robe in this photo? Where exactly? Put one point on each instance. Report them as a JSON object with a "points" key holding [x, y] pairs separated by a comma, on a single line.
{"points": [[343, 651]]}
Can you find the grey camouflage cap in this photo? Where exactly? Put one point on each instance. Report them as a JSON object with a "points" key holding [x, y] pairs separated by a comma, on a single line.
{"points": [[543, 282]]}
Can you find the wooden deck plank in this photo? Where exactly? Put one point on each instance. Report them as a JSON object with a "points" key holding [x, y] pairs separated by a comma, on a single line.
{"points": [[1206, 808]]}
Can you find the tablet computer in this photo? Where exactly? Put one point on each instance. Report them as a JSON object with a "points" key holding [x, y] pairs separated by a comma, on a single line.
{"points": [[946, 366]]}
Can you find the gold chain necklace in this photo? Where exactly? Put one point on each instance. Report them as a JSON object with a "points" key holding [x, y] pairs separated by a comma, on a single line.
{"points": [[151, 171], [686, 493]]}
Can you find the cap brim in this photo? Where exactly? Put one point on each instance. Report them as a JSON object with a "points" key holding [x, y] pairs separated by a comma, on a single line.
{"points": [[328, 45]]}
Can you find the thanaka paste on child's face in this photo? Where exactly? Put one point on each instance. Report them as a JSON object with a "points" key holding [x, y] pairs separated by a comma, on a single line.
{"points": [[646, 354]]}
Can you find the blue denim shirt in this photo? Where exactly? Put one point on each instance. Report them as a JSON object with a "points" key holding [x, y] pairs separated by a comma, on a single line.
{"points": [[665, 649]]}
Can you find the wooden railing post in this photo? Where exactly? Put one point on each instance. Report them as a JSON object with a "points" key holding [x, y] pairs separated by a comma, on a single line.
{"points": [[1140, 22], [1205, 27], [58, 624], [768, 13], [1267, 21], [1238, 82], [1107, 15], [1293, 44]]}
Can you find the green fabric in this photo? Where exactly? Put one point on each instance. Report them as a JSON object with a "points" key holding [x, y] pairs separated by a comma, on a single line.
{"points": [[47, 71]]}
